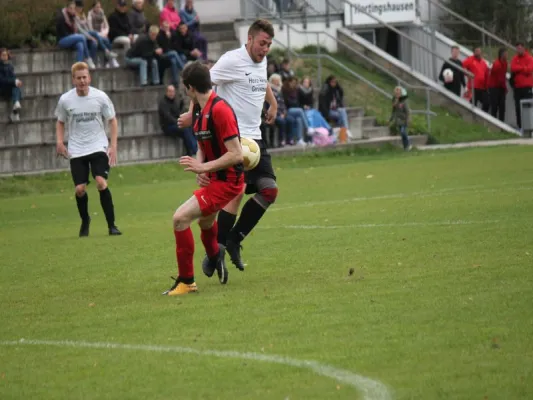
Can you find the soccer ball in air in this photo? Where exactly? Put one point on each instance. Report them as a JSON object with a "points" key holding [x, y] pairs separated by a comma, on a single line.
{"points": [[251, 153], [447, 74]]}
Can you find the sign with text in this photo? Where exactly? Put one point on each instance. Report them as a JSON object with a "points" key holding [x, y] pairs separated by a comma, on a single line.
{"points": [[389, 11]]}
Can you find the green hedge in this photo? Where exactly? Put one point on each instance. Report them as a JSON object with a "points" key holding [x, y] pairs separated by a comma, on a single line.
{"points": [[32, 22]]}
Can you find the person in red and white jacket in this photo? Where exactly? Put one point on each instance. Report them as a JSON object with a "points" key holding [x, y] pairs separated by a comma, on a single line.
{"points": [[478, 66], [498, 85], [521, 78]]}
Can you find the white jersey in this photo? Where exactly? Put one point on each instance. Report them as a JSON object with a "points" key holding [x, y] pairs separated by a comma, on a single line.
{"points": [[242, 83], [84, 118]]}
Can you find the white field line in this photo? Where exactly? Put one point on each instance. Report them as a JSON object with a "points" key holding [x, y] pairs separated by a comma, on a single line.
{"points": [[425, 194], [392, 225], [369, 388]]}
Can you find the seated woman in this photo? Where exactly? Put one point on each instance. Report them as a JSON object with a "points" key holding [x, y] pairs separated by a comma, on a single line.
{"points": [[98, 24], [307, 101], [68, 37], [331, 103], [9, 84], [102, 43], [294, 110]]}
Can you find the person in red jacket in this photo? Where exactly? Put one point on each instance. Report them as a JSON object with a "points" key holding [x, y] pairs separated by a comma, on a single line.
{"points": [[498, 85], [478, 66], [521, 78]]}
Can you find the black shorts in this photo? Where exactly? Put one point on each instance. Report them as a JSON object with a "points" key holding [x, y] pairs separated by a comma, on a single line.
{"points": [[263, 170], [97, 163]]}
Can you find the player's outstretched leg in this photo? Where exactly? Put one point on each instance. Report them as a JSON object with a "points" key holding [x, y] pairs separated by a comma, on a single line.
{"points": [[82, 201], [182, 220], [106, 200], [251, 213], [214, 252]]}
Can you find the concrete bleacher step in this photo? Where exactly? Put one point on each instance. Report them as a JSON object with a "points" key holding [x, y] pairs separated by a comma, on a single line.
{"points": [[137, 148], [39, 131], [376, 132], [216, 36], [38, 107]]}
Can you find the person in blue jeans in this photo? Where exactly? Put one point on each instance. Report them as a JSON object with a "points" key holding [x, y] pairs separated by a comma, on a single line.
{"points": [[143, 55], [331, 102], [68, 36], [9, 84], [169, 111], [401, 115], [189, 17], [282, 121], [295, 111], [170, 57]]}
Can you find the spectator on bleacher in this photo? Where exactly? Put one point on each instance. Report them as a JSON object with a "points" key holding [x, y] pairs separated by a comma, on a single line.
{"points": [[138, 22], [170, 14], [401, 115], [170, 57], [477, 65], [272, 68], [94, 40], [498, 85], [169, 111], [300, 127], [184, 44], [458, 80], [189, 16], [10, 85], [282, 121], [307, 101], [285, 70], [99, 24], [68, 37], [120, 30], [143, 55], [522, 78], [331, 103]]}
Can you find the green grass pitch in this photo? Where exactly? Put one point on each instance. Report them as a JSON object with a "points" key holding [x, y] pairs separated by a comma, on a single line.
{"points": [[438, 303]]}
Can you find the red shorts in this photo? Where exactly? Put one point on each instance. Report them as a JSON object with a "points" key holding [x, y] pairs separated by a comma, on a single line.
{"points": [[217, 195]]}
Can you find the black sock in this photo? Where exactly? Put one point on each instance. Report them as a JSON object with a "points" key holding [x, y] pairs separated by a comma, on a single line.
{"points": [[225, 223], [83, 207], [107, 205], [250, 215]]}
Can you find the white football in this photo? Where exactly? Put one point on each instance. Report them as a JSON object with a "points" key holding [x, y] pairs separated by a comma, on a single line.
{"points": [[251, 153], [447, 74]]}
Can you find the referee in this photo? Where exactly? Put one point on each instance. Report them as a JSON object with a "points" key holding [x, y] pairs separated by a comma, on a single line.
{"points": [[84, 111]]}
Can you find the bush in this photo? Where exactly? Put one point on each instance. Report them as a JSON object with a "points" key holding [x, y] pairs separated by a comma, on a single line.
{"points": [[32, 22]]}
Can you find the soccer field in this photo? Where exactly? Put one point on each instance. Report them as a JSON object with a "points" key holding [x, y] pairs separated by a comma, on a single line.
{"points": [[392, 276]]}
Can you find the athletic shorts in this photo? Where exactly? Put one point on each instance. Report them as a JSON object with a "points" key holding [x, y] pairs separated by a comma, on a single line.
{"points": [[97, 163], [215, 196], [263, 170]]}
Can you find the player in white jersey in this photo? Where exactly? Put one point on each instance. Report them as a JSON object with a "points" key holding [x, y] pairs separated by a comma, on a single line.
{"points": [[240, 77], [84, 112]]}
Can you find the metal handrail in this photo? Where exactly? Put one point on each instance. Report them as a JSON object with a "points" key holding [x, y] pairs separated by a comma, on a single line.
{"points": [[472, 24], [404, 35]]}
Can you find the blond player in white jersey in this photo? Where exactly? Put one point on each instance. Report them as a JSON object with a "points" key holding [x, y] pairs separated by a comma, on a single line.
{"points": [[240, 77], [84, 111]]}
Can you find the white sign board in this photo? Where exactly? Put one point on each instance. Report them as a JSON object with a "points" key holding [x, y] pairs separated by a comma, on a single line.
{"points": [[389, 11]]}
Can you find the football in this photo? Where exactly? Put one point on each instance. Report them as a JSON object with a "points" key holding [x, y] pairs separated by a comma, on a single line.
{"points": [[251, 153], [447, 74]]}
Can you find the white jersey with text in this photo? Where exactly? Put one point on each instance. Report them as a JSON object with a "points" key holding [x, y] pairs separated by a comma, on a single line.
{"points": [[84, 118], [242, 83]]}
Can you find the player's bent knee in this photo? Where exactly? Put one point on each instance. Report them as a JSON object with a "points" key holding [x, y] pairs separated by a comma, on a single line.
{"points": [[80, 190], [269, 194], [180, 221], [101, 183]]}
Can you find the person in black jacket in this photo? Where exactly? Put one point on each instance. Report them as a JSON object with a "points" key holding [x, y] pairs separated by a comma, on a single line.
{"points": [[458, 80], [183, 43], [9, 84], [138, 22], [169, 112], [143, 54], [331, 102], [67, 35], [170, 57], [120, 29]]}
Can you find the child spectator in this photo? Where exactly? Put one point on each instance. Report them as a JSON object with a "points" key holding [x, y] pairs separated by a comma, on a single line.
{"points": [[68, 37], [189, 16], [401, 115], [170, 14], [93, 38], [331, 102], [120, 30], [307, 101], [143, 56], [9, 84]]}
